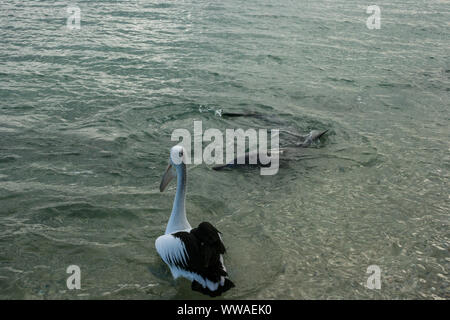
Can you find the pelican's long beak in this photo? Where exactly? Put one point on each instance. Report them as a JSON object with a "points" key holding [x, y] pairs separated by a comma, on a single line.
{"points": [[169, 174]]}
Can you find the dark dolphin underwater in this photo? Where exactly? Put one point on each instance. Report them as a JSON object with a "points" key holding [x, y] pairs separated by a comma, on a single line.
{"points": [[252, 158]]}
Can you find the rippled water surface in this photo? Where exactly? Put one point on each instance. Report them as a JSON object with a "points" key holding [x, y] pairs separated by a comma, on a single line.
{"points": [[86, 118]]}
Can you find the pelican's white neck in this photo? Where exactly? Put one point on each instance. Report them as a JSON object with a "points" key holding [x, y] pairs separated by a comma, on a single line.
{"points": [[178, 220]]}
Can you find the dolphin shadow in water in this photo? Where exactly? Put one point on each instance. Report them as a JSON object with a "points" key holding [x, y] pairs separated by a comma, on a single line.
{"points": [[304, 142]]}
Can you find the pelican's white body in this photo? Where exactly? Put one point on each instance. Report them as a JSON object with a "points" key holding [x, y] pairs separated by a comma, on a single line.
{"points": [[172, 249]]}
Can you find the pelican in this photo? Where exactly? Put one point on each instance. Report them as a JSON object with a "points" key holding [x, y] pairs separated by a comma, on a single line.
{"points": [[193, 253]]}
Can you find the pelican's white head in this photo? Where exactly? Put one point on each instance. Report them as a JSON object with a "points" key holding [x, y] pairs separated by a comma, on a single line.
{"points": [[177, 155], [176, 159]]}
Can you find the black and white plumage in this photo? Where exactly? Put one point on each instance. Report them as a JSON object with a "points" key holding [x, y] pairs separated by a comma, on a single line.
{"points": [[193, 253]]}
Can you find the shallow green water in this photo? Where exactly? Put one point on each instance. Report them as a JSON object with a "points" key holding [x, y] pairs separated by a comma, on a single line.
{"points": [[85, 123]]}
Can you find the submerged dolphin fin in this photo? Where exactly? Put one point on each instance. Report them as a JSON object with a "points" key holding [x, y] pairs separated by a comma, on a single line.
{"points": [[311, 137]]}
